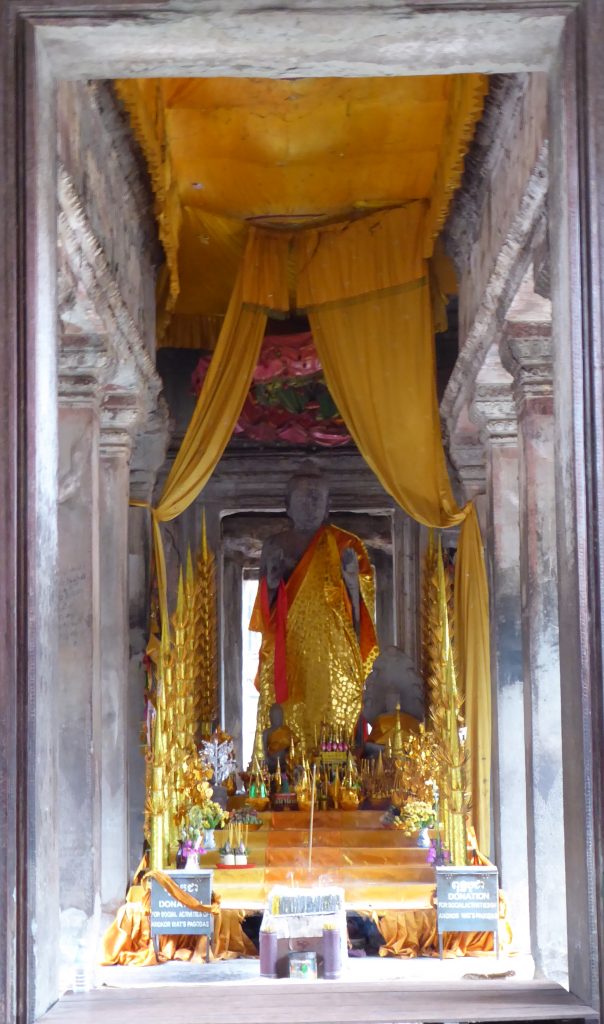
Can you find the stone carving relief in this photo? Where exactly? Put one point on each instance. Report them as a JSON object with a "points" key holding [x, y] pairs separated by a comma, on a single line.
{"points": [[70, 478]]}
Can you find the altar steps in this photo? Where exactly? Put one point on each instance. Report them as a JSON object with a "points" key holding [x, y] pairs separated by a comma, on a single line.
{"points": [[376, 866]]}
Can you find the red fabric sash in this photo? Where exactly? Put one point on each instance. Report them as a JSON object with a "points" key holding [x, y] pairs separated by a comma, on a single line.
{"points": [[280, 666]]}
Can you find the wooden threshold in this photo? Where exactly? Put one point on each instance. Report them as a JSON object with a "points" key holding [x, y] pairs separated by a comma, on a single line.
{"points": [[323, 1002]]}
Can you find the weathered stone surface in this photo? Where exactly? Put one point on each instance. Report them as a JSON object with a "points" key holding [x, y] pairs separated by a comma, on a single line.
{"points": [[110, 404], [28, 351], [303, 39], [526, 352], [117, 421], [493, 223], [494, 410], [108, 173], [79, 692]]}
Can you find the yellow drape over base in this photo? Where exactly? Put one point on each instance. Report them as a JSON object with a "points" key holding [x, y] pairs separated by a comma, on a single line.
{"points": [[412, 933], [127, 941]]}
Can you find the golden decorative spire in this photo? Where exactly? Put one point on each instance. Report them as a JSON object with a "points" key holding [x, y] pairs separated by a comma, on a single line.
{"points": [[206, 635], [397, 742]]}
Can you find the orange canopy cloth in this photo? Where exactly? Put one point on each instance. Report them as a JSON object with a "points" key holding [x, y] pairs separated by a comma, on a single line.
{"points": [[223, 152], [233, 159]]}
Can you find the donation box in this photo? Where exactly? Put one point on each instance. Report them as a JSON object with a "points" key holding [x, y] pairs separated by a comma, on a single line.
{"points": [[467, 901], [169, 917]]}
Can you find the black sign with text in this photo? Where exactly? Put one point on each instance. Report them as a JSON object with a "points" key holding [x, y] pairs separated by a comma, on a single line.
{"points": [[467, 899], [169, 917]]}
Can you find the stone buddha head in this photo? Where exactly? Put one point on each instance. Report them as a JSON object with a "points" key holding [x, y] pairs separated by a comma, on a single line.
{"points": [[307, 498]]}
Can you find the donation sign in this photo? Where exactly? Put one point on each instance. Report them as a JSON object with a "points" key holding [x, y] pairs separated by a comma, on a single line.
{"points": [[467, 899], [169, 917]]}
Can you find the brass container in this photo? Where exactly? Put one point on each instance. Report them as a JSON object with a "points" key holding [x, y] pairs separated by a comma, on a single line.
{"points": [[349, 799], [259, 803], [303, 796]]}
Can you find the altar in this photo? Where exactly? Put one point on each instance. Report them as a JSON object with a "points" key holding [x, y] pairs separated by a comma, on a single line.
{"points": [[377, 868], [385, 877]]}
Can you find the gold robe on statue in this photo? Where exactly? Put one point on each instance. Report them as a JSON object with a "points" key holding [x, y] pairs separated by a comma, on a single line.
{"points": [[326, 663]]}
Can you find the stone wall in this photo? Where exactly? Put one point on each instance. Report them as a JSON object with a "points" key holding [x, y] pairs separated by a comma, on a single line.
{"points": [[499, 167], [112, 428], [108, 173]]}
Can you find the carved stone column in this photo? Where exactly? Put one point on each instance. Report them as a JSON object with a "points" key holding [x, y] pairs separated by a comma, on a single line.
{"points": [[119, 416], [147, 456], [493, 408], [526, 353], [406, 582], [78, 691]]}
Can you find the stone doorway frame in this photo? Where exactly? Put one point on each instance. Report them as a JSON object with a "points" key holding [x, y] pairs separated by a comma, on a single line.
{"points": [[41, 40]]}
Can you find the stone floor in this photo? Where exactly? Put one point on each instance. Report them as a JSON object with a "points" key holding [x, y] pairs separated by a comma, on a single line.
{"points": [[361, 970]]}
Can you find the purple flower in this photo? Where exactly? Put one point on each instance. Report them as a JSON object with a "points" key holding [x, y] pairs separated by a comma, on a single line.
{"points": [[437, 854]]}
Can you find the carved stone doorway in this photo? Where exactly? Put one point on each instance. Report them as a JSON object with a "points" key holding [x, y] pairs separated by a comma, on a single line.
{"points": [[43, 42]]}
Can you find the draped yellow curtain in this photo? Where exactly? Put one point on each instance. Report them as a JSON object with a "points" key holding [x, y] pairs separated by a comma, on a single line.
{"points": [[365, 285], [226, 384], [473, 662], [377, 351]]}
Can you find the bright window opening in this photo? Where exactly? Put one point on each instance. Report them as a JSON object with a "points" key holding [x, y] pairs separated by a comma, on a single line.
{"points": [[250, 648]]}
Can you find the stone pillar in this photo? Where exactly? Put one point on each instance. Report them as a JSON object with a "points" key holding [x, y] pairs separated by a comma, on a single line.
{"points": [[526, 353], [78, 690], [119, 415], [406, 582], [493, 408], [147, 457]]}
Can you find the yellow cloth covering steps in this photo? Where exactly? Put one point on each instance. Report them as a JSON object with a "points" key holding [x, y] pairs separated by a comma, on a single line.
{"points": [[383, 873], [376, 867]]}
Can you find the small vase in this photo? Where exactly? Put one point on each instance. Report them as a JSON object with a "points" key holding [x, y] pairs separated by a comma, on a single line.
{"points": [[423, 839], [209, 842], [192, 862]]}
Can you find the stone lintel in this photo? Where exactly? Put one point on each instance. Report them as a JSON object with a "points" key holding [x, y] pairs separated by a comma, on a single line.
{"points": [[526, 353], [494, 411], [149, 452], [85, 364], [467, 454], [120, 415]]}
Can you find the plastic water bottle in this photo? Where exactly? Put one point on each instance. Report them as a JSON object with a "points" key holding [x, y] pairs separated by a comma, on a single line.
{"points": [[80, 969]]}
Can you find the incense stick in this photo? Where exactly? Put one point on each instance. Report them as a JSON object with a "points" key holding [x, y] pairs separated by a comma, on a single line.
{"points": [[312, 813]]}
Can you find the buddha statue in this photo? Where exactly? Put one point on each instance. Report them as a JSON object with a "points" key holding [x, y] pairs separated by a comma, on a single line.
{"points": [[276, 740], [313, 610], [393, 688]]}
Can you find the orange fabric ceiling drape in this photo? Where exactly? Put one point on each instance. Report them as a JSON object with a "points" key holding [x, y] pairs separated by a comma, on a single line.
{"points": [[226, 152]]}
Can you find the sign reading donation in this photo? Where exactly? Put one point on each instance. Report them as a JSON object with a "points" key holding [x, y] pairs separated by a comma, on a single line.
{"points": [[467, 900], [169, 917]]}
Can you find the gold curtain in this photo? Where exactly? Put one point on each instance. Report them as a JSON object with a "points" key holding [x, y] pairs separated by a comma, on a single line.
{"points": [[224, 389], [474, 669], [366, 286], [377, 351]]}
